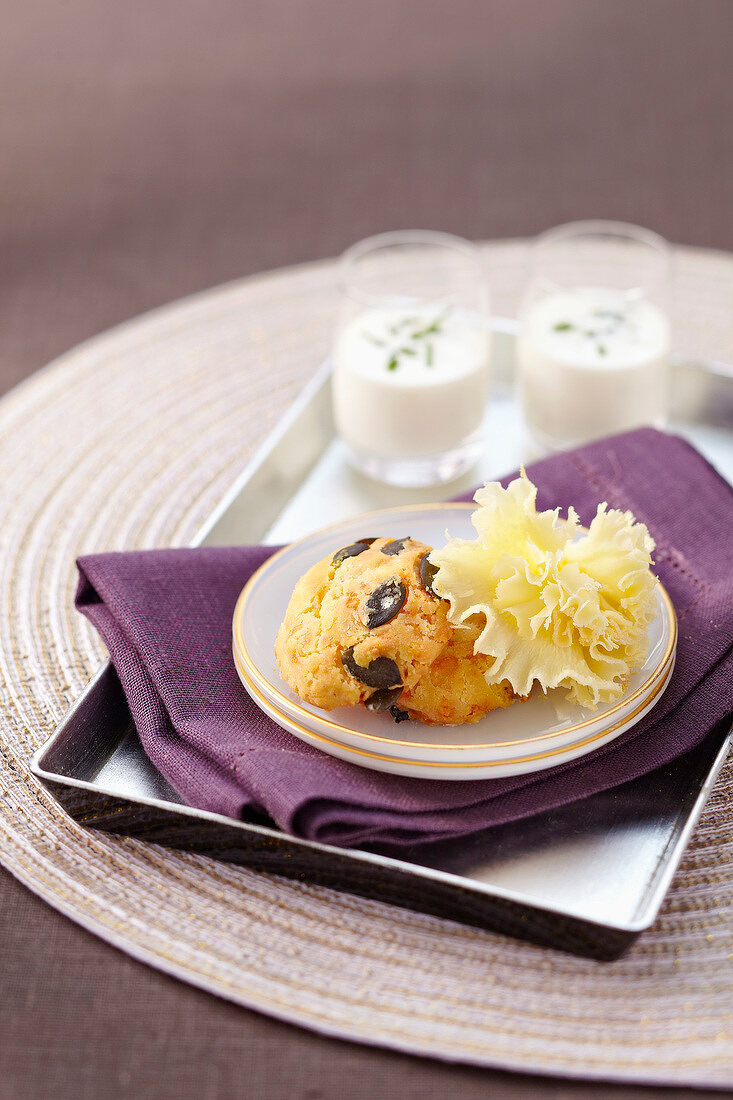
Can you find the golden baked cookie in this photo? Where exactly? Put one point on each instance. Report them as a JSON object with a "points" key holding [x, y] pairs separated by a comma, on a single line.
{"points": [[364, 626]]}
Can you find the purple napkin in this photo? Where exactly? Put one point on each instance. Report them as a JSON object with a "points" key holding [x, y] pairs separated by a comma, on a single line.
{"points": [[165, 616]]}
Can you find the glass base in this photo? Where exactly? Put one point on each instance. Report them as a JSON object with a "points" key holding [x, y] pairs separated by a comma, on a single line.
{"points": [[548, 444], [418, 472]]}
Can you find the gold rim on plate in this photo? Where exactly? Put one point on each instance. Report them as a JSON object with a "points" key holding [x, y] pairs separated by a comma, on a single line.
{"points": [[261, 699]]}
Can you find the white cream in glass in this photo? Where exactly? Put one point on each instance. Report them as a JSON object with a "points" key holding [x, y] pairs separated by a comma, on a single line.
{"points": [[594, 339], [411, 357]]}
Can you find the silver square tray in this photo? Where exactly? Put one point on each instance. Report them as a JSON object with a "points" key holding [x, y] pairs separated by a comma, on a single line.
{"points": [[586, 878]]}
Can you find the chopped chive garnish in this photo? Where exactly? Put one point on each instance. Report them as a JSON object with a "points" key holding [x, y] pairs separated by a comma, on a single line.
{"points": [[601, 349], [433, 328], [563, 326], [422, 334]]}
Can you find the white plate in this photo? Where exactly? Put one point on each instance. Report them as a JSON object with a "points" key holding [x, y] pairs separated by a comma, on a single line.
{"points": [[524, 737]]}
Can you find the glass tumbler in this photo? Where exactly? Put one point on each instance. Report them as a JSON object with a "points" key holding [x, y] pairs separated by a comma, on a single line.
{"points": [[594, 334], [411, 356]]}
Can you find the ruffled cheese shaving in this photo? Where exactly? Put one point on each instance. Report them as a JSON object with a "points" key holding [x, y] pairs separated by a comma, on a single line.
{"points": [[563, 607]]}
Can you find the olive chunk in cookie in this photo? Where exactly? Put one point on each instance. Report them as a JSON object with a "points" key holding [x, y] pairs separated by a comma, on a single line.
{"points": [[364, 626]]}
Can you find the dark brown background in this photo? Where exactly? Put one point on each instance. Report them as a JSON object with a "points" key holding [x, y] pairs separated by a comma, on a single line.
{"points": [[150, 149]]}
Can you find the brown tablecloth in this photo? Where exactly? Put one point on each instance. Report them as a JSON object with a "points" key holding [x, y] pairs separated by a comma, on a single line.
{"points": [[151, 150]]}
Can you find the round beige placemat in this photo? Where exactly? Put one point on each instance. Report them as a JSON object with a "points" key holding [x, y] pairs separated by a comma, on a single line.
{"points": [[129, 441]]}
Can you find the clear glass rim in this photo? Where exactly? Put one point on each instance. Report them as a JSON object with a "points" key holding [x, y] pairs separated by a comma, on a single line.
{"points": [[602, 227], [450, 242]]}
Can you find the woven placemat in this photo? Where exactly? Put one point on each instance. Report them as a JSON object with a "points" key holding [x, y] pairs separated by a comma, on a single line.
{"points": [[129, 441]]}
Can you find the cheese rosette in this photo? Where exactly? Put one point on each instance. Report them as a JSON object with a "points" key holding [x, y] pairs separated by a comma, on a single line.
{"points": [[562, 607]]}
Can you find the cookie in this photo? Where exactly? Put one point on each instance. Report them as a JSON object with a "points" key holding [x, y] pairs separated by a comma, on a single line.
{"points": [[364, 626]]}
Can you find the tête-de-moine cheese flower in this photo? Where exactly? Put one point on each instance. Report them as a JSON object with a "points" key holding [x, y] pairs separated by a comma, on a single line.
{"points": [[562, 607]]}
